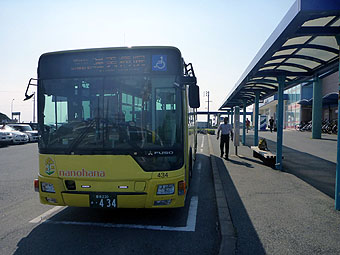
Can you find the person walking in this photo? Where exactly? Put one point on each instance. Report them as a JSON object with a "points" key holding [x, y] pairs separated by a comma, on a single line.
{"points": [[226, 130], [247, 124], [271, 124]]}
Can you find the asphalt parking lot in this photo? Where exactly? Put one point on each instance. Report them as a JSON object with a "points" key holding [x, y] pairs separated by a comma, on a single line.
{"points": [[28, 227]]}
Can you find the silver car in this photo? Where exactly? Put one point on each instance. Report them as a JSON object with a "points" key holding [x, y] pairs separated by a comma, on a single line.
{"points": [[5, 138], [25, 128], [18, 137]]}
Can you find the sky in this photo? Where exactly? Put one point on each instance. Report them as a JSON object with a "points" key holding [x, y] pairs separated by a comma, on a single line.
{"points": [[219, 37]]}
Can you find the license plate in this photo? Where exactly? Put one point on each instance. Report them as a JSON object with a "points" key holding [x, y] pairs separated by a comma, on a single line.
{"points": [[103, 200]]}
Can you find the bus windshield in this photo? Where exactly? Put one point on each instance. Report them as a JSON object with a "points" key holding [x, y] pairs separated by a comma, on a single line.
{"points": [[135, 115]]}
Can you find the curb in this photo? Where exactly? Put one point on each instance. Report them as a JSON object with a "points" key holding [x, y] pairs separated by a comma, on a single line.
{"points": [[228, 237]]}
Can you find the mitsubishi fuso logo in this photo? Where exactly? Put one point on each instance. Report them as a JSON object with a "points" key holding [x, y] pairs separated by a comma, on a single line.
{"points": [[160, 153], [163, 153]]}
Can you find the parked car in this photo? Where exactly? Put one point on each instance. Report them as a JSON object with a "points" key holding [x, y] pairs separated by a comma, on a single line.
{"points": [[27, 129], [33, 125], [5, 138], [18, 137]]}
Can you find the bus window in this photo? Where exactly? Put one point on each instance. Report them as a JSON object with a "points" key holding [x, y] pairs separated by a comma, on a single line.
{"points": [[166, 115]]}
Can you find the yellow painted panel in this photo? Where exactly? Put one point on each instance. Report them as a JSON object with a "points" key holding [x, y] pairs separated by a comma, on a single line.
{"points": [[80, 200], [131, 201], [94, 167], [58, 186], [140, 186], [120, 174]]}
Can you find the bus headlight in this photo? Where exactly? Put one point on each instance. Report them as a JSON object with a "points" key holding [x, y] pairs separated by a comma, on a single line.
{"points": [[166, 189], [47, 187]]}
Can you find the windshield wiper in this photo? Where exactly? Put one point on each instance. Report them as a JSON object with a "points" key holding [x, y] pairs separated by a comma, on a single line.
{"points": [[80, 137]]}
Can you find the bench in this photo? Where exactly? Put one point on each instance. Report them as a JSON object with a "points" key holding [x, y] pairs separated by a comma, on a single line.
{"points": [[266, 156]]}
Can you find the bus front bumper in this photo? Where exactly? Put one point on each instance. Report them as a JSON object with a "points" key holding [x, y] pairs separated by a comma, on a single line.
{"points": [[147, 198]]}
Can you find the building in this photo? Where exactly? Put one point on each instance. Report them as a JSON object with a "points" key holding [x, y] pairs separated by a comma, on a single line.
{"points": [[298, 103]]}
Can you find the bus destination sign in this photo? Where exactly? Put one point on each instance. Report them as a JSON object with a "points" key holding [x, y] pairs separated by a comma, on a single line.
{"points": [[102, 63], [110, 64]]}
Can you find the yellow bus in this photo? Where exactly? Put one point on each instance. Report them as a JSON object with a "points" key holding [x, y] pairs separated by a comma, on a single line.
{"points": [[117, 127]]}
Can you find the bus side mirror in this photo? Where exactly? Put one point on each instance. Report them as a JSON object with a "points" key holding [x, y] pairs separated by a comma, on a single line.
{"points": [[194, 96]]}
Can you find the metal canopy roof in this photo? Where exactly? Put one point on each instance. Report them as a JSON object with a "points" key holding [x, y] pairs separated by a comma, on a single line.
{"points": [[301, 47]]}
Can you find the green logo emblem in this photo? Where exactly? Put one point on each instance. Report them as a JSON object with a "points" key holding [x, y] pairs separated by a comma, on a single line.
{"points": [[49, 166]]}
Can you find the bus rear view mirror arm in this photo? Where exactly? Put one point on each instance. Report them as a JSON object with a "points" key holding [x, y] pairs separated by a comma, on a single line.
{"points": [[188, 80], [27, 97], [189, 77]]}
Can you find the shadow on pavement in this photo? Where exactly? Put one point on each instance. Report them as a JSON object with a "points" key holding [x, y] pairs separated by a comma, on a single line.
{"points": [[330, 139], [250, 159], [318, 172], [76, 230], [55, 239], [248, 241], [241, 163]]}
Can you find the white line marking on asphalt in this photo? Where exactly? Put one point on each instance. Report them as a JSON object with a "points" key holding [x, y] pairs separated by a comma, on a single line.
{"points": [[41, 218], [190, 226], [192, 215], [202, 144]]}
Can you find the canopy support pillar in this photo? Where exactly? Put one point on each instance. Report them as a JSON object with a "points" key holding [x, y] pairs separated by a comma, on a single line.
{"points": [[244, 123], [337, 178], [281, 81], [232, 117], [317, 109], [256, 128]]}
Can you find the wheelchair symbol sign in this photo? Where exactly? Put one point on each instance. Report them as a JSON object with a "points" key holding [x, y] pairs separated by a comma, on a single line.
{"points": [[159, 62]]}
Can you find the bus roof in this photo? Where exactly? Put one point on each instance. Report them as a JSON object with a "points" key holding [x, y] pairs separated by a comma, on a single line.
{"points": [[113, 49]]}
